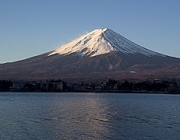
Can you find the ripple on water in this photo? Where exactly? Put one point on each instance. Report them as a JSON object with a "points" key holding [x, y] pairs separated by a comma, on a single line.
{"points": [[89, 116]]}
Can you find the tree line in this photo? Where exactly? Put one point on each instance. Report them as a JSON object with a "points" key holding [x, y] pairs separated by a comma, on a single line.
{"points": [[110, 85]]}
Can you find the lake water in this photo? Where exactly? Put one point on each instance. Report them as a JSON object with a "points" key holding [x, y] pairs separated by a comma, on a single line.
{"points": [[56, 116]]}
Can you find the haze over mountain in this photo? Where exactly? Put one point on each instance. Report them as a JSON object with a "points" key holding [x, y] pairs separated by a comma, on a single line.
{"points": [[96, 56]]}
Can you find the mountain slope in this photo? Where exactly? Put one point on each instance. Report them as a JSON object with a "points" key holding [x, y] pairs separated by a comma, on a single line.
{"points": [[98, 55], [102, 41]]}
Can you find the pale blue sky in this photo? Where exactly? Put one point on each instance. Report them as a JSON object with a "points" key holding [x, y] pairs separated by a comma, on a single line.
{"points": [[32, 27]]}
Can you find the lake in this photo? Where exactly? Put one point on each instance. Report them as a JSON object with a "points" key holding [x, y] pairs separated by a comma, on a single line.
{"points": [[56, 116]]}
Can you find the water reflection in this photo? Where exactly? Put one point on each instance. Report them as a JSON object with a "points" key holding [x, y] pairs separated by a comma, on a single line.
{"points": [[89, 116], [81, 117]]}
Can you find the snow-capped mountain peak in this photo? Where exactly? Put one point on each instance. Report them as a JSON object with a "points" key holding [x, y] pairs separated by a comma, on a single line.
{"points": [[102, 41]]}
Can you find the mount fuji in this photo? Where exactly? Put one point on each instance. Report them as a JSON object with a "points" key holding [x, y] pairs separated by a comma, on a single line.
{"points": [[96, 56]]}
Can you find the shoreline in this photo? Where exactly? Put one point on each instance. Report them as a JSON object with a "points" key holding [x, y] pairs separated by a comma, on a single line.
{"points": [[102, 92]]}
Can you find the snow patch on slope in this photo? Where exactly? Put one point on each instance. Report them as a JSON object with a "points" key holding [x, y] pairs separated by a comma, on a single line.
{"points": [[101, 41], [124, 45], [91, 44]]}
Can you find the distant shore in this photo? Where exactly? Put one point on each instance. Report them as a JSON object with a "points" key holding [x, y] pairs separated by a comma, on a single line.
{"points": [[110, 86]]}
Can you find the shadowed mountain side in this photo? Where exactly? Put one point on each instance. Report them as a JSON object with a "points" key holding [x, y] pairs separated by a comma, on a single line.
{"points": [[114, 65]]}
